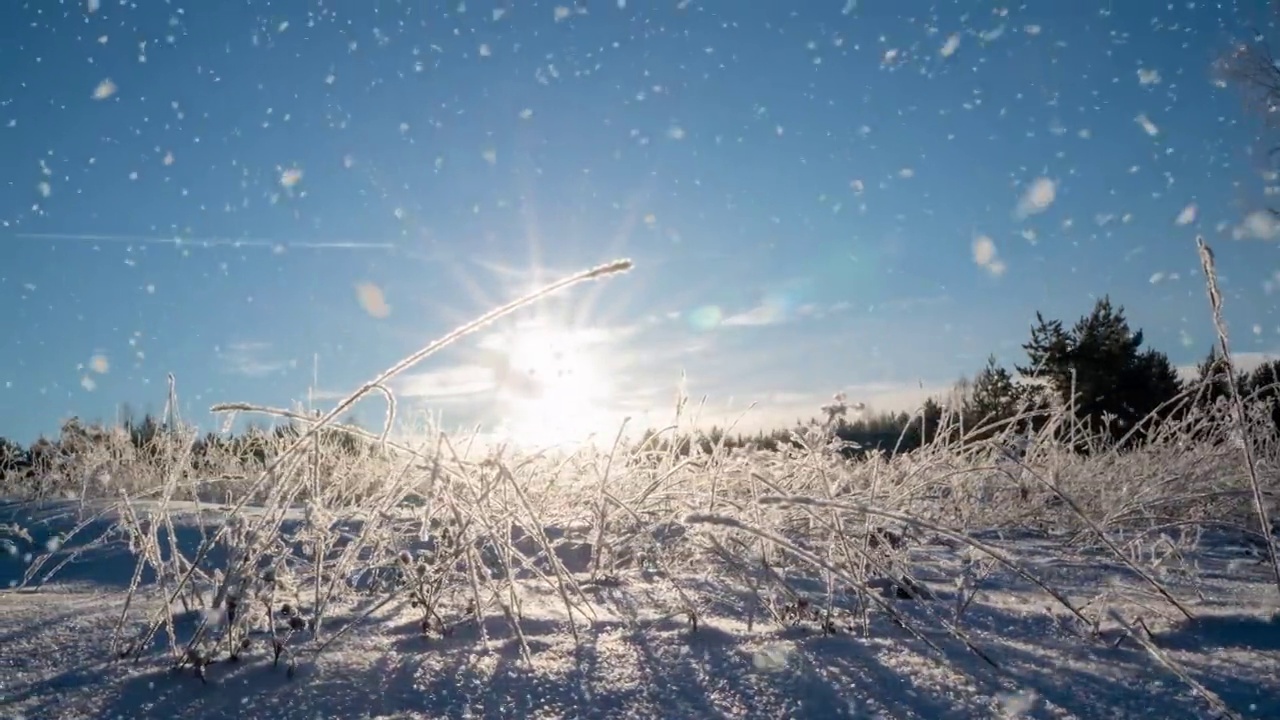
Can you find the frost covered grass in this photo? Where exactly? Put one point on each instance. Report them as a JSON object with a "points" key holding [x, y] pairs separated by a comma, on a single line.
{"points": [[425, 579]]}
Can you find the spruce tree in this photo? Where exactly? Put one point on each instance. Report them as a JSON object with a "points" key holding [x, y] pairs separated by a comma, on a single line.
{"points": [[1100, 369]]}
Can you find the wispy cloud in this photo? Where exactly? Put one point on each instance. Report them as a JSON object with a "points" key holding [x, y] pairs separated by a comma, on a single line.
{"points": [[762, 314], [250, 359], [457, 381], [781, 302], [779, 307], [1247, 361]]}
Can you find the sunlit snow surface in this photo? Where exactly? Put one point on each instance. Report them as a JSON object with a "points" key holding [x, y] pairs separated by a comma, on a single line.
{"points": [[640, 658]]}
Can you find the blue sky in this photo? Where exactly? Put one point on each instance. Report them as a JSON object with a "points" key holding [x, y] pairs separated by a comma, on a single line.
{"points": [[820, 196]]}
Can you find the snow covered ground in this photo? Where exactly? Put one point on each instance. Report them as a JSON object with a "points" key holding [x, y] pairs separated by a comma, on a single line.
{"points": [[636, 653]]}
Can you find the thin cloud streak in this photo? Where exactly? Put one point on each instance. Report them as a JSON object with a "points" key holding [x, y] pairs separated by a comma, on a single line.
{"points": [[758, 316], [250, 359], [458, 381], [210, 241]]}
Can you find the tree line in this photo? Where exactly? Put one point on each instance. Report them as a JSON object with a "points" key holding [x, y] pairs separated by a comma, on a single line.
{"points": [[1114, 392], [158, 443], [1094, 385]]}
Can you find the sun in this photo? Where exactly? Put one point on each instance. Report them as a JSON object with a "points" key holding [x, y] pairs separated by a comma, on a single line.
{"points": [[553, 387]]}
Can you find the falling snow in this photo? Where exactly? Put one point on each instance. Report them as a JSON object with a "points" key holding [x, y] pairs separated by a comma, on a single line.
{"points": [[1037, 198], [104, 90], [372, 301], [951, 45], [830, 163], [986, 257]]}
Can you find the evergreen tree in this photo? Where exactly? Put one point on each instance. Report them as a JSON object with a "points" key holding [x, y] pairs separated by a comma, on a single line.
{"points": [[13, 460], [1048, 355], [992, 396], [1146, 386], [1100, 369], [1262, 386], [1211, 381]]}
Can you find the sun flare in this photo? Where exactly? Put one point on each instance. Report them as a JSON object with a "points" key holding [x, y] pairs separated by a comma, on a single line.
{"points": [[553, 387]]}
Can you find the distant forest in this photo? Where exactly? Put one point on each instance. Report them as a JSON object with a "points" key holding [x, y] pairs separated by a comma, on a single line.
{"points": [[1096, 372]]}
